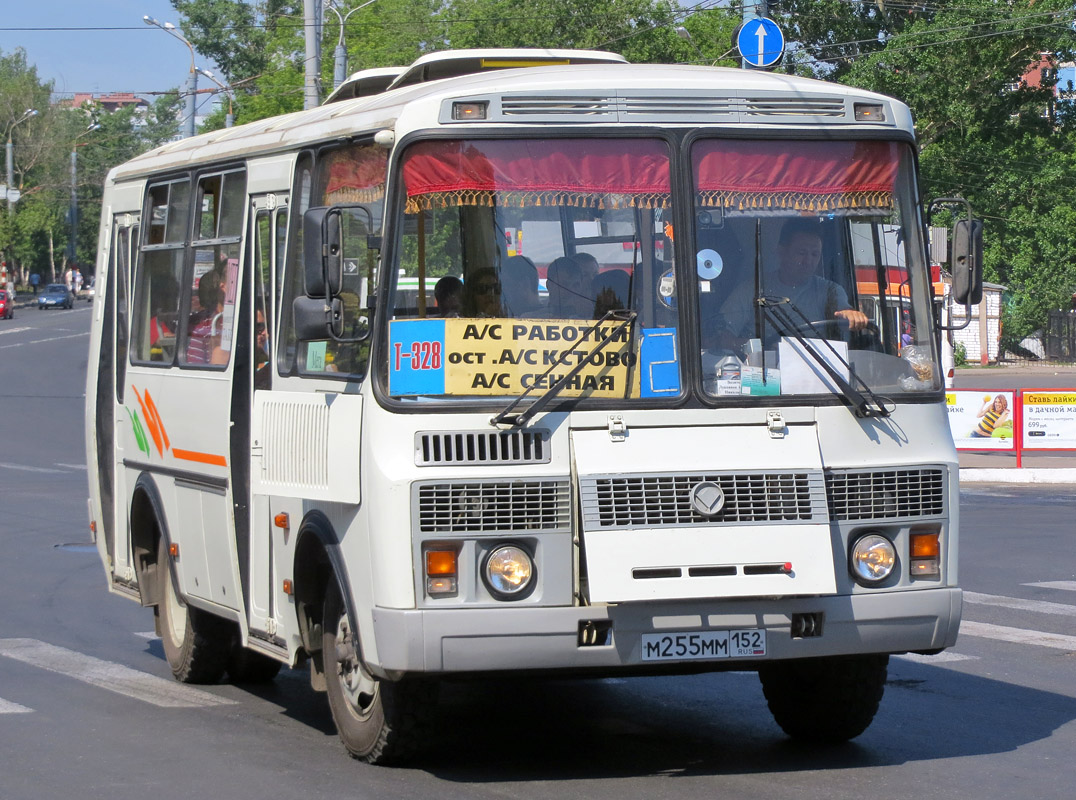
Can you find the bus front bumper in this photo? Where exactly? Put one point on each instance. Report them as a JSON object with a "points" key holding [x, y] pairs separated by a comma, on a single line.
{"points": [[463, 640]]}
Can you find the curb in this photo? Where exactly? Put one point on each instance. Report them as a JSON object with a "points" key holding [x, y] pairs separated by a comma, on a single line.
{"points": [[1020, 476]]}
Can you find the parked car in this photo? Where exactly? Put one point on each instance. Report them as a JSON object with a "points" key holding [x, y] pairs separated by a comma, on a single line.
{"points": [[88, 290], [7, 305], [56, 295]]}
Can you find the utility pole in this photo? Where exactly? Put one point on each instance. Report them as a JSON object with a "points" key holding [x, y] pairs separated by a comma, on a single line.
{"points": [[753, 9], [313, 53]]}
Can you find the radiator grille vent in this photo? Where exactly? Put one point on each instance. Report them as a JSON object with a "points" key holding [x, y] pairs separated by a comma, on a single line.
{"points": [[524, 505], [435, 448], [886, 494], [665, 500]]}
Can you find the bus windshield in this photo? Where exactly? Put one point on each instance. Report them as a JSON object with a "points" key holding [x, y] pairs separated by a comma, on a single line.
{"points": [[510, 251]]}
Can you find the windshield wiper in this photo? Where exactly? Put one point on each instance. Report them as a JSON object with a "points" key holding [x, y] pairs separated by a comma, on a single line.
{"points": [[864, 402], [624, 316]]}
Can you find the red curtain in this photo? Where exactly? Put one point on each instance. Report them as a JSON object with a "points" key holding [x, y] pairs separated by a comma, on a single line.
{"points": [[796, 175], [356, 174], [590, 172]]}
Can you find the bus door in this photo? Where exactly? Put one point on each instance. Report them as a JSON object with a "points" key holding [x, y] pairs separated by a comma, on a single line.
{"points": [[269, 215], [111, 415]]}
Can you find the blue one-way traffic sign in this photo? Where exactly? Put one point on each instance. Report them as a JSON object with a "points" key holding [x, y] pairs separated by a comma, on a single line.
{"points": [[761, 42]]}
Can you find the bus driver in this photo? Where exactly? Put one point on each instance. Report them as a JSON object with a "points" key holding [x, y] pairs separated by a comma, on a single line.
{"points": [[799, 253]]}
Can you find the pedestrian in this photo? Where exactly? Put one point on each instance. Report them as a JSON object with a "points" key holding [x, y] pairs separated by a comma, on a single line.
{"points": [[35, 279]]}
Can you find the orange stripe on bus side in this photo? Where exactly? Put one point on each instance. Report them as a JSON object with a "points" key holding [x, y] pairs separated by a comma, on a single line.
{"points": [[201, 458]]}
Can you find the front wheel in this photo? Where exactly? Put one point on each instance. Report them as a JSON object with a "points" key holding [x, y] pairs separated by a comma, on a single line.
{"points": [[197, 645], [379, 721], [827, 700]]}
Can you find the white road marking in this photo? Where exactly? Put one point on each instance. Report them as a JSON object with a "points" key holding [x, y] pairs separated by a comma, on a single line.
{"points": [[1018, 635], [41, 341], [72, 466], [7, 707], [108, 675], [1019, 604], [1066, 586], [151, 635], [13, 330], [941, 658], [24, 468]]}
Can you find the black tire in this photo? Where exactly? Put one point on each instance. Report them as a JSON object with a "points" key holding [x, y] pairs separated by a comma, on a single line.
{"points": [[197, 645], [246, 666], [379, 721], [825, 700]]}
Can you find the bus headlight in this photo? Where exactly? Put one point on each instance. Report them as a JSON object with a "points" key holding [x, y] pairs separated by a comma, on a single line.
{"points": [[873, 558], [508, 571]]}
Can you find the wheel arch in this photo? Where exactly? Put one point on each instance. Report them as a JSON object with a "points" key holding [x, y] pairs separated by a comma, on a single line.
{"points": [[149, 532], [317, 562]]}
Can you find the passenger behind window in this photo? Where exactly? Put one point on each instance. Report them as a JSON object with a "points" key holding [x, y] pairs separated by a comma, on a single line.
{"points": [[482, 294], [162, 325], [569, 296], [611, 290], [448, 292], [204, 327], [519, 278]]}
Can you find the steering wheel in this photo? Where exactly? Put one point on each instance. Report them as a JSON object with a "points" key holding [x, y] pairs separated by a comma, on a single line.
{"points": [[836, 328]]}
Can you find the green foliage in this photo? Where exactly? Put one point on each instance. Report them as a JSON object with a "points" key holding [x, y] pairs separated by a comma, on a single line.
{"points": [[960, 355]]}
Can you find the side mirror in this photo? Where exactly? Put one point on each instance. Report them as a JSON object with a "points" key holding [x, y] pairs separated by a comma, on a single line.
{"points": [[321, 250], [967, 262]]}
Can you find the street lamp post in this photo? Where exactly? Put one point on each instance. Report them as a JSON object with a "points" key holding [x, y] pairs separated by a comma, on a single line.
{"points": [[10, 157], [340, 54], [229, 118], [192, 76], [72, 213]]}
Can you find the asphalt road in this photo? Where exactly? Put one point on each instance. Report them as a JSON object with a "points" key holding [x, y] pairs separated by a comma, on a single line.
{"points": [[88, 707]]}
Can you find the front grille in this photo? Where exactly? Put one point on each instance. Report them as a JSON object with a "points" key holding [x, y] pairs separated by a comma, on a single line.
{"points": [[649, 501], [886, 494], [435, 448], [493, 507]]}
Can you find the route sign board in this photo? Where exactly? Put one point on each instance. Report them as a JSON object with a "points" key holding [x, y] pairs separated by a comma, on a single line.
{"points": [[760, 42]]}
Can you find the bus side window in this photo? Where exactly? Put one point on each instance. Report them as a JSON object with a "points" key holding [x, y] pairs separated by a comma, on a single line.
{"points": [[158, 274]]}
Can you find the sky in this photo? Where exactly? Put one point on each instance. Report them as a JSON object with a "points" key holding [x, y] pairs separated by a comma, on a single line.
{"points": [[78, 54]]}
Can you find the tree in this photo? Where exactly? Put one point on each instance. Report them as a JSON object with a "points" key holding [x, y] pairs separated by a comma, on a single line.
{"points": [[987, 135]]}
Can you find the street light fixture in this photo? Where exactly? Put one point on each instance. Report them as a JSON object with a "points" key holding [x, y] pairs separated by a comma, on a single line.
{"points": [[10, 157], [340, 54], [72, 213], [192, 76], [229, 118]]}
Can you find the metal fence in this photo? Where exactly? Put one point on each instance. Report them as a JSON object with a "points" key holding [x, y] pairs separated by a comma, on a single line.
{"points": [[1059, 337]]}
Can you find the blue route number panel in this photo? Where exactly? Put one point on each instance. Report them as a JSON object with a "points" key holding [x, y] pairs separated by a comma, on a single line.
{"points": [[761, 42]]}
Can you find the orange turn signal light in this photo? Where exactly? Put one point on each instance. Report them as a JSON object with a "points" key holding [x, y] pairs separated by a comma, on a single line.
{"points": [[281, 520], [925, 545], [440, 562], [173, 550]]}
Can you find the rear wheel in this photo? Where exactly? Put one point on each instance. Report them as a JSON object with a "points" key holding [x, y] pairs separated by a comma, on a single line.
{"points": [[827, 700], [379, 721], [196, 644]]}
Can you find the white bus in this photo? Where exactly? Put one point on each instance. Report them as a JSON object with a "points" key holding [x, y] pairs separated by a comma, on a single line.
{"points": [[628, 440]]}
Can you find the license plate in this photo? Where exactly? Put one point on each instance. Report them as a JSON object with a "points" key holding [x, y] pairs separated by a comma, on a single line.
{"points": [[704, 645]]}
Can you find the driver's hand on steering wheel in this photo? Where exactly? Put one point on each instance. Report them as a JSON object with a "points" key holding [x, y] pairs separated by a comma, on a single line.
{"points": [[856, 320]]}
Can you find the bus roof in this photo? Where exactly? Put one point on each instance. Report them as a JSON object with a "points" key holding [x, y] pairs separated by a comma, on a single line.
{"points": [[641, 94]]}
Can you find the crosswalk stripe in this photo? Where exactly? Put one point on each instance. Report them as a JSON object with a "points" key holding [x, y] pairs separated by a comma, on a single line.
{"points": [[108, 675], [1017, 635], [1065, 586], [1019, 604], [7, 707], [941, 658]]}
